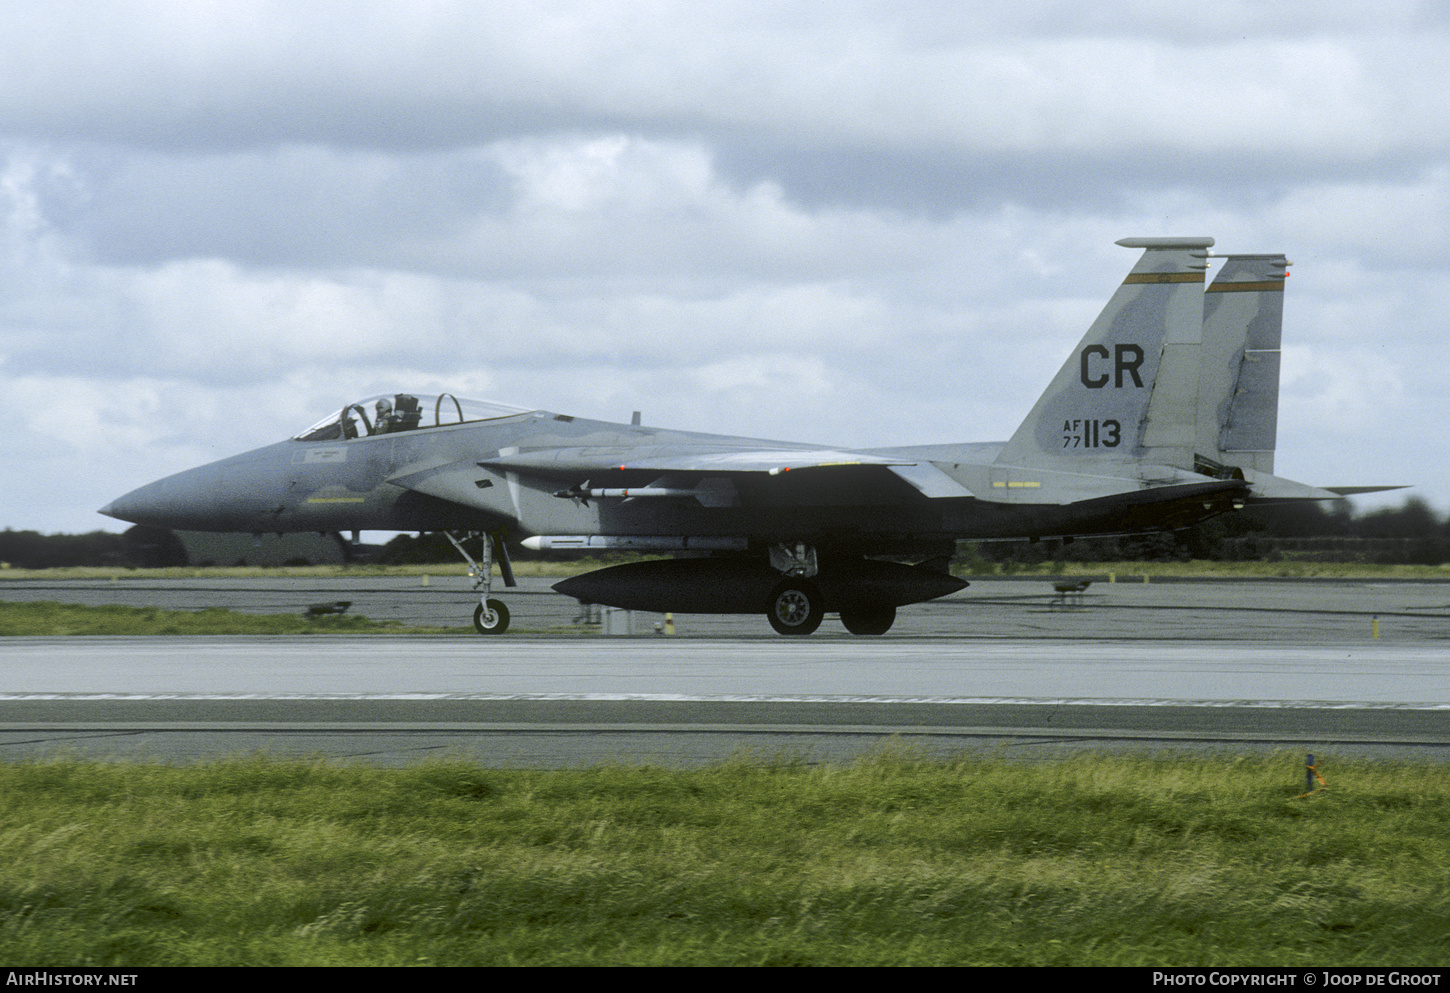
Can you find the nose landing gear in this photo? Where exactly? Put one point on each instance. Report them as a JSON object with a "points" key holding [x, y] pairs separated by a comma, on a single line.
{"points": [[490, 616]]}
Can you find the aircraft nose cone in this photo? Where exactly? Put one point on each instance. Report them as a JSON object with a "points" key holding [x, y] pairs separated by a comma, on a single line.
{"points": [[145, 505], [187, 500]]}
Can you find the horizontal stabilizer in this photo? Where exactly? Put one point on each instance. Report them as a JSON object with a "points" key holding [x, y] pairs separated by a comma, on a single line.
{"points": [[1275, 489], [1167, 493], [1345, 491]]}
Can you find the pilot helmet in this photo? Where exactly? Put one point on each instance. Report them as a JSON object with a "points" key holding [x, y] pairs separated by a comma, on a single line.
{"points": [[384, 406]]}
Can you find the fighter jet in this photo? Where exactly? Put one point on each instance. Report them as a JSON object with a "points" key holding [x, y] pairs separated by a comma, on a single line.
{"points": [[1164, 415]]}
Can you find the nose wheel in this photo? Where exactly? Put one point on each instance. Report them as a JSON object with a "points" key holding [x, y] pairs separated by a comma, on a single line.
{"points": [[491, 617]]}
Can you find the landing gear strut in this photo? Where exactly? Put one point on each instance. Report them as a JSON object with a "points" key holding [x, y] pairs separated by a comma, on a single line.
{"points": [[490, 616], [795, 605]]}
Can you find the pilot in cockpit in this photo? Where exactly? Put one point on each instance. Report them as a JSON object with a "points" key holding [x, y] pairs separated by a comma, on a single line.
{"points": [[383, 418]]}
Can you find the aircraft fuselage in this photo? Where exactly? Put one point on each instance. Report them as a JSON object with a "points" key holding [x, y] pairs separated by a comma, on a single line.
{"points": [[344, 485]]}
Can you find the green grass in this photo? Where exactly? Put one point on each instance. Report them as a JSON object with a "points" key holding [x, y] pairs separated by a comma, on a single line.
{"points": [[570, 567], [1094, 860], [49, 619]]}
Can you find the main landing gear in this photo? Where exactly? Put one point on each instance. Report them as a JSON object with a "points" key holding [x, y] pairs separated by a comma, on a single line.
{"points": [[796, 605], [490, 616]]}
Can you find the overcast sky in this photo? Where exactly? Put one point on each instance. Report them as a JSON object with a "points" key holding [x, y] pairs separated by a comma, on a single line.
{"points": [[850, 223]]}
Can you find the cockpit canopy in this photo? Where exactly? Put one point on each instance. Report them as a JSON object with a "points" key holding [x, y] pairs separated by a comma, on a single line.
{"points": [[390, 413]]}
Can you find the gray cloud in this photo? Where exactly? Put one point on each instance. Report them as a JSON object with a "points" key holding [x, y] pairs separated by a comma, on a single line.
{"points": [[878, 226], [294, 206]]}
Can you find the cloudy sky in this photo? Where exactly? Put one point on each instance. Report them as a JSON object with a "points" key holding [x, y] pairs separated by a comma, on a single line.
{"points": [[851, 223]]}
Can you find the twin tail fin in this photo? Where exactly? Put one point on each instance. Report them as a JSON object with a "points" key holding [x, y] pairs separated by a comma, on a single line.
{"points": [[1129, 392]]}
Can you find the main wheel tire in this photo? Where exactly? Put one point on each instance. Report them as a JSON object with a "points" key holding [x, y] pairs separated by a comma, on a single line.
{"points": [[795, 607], [494, 620], [869, 620]]}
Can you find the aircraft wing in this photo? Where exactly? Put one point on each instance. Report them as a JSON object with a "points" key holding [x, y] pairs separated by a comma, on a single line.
{"points": [[479, 483], [924, 476], [570, 461]]}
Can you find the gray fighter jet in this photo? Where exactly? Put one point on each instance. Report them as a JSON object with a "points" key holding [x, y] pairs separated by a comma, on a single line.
{"points": [[1163, 415]]}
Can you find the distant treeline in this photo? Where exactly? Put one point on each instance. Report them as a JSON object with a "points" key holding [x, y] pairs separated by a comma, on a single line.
{"points": [[1312, 532], [138, 547]]}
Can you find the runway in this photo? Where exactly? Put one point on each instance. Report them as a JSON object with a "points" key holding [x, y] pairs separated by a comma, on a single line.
{"points": [[556, 703], [1003, 667]]}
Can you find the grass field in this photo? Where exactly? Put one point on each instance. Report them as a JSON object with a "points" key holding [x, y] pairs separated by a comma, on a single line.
{"points": [[570, 568], [49, 619], [893, 860]]}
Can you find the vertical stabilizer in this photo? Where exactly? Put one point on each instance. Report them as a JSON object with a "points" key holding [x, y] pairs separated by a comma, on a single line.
{"points": [[1128, 393], [1243, 317]]}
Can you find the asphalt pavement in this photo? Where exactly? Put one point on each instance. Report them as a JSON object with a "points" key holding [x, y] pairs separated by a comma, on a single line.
{"points": [[1009, 667]]}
